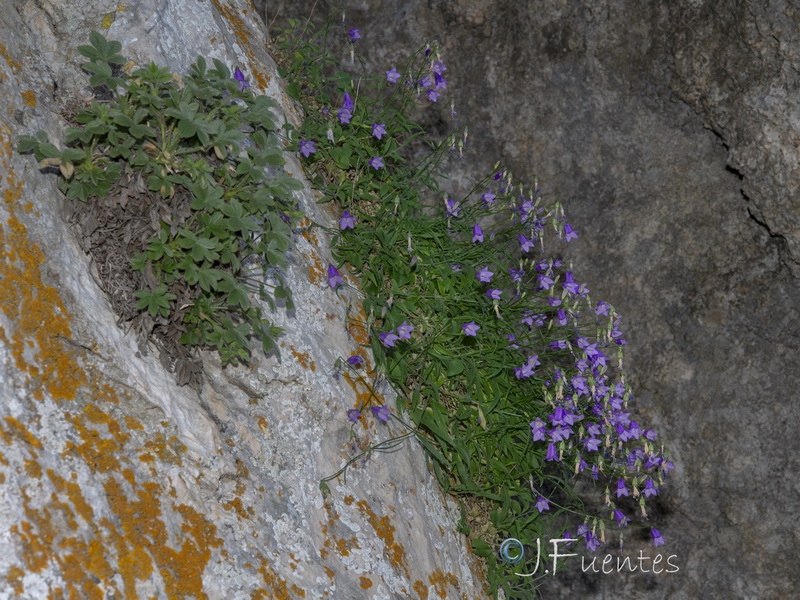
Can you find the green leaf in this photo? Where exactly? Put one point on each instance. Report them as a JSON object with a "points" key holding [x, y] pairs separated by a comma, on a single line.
{"points": [[155, 301], [481, 548], [208, 278], [102, 49], [341, 156], [207, 197], [72, 155], [454, 367]]}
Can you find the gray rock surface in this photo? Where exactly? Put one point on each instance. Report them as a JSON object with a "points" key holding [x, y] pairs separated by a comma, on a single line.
{"points": [[117, 483], [670, 132]]}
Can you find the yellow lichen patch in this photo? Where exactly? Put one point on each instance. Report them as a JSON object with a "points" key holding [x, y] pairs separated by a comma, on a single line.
{"points": [[29, 98], [357, 325], [440, 581], [275, 588], [317, 271], [304, 359], [237, 506], [14, 430], [14, 579], [73, 491], [385, 531], [242, 32], [242, 476], [262, 425], [39, 319], [13, 64], [421, 589], [344, 546], [133, 424], [142, 541], [307, 232], [365, 582], [329, 572], [37, 535], [99, 417], [167, 450], [98, 452], [365, 393], [33, 469]]}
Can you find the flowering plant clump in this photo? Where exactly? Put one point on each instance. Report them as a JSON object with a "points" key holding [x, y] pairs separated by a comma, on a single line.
{"points": [[509, 372], [185, 172]]}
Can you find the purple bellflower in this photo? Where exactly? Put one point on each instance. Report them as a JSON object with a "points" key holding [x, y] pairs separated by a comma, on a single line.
{"points": [[542, 504], [379, 130], [347, 221], [335, 278], [307, 148], [470, 328], [484, 275], [404, 331], [389, 338], [382, 413], [239, 76]]}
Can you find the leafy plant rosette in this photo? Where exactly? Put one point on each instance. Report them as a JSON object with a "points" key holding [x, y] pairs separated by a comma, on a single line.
{"points": [[205, 150], [510, 374]]}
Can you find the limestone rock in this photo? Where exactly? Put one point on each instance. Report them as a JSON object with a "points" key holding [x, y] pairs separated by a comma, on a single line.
{"points": [[117, 483]]}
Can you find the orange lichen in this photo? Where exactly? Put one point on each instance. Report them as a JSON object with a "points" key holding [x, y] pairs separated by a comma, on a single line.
{"points": [[385, 531], [340, 545], [242, 33], [36, 310], [357, 326], [348, 500], [16, 430], [60, 531], [33, 469], [14, 579], [317, 271], [29, 98], [13, 64], [275, 588], [236, 506], [168, 451], [440, 581], [307, 231], [344, 546], [365, 582], [304, 359], [100, 453], [421, 589], [262, 425], [366, 395], [142, 543], [133, 424]]}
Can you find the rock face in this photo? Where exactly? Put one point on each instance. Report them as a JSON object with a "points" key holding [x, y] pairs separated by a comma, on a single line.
{"points": [[117, 483], [669, 130]]}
